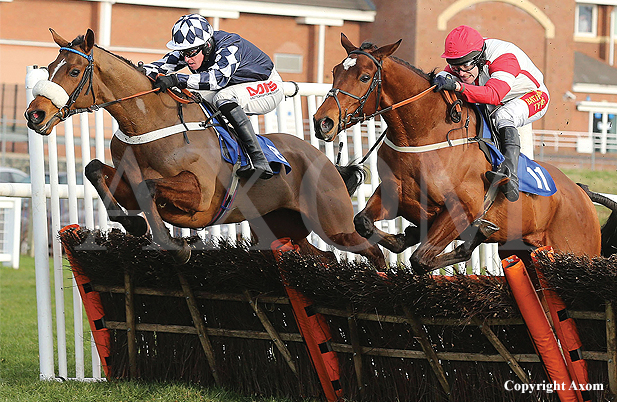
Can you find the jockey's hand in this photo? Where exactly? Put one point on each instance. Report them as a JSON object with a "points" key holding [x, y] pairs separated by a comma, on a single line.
{"points": [[140, 67], [444, 83], [166, 81]]}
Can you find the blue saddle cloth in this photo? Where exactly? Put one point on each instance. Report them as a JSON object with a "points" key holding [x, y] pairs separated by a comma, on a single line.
{"points": [[533, 178], [230, 148]]}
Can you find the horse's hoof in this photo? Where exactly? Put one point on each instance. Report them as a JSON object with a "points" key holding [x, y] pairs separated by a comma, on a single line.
{"points": [[417, 268], [363, 226], [136, 226], [182, 255], [397, 245]]}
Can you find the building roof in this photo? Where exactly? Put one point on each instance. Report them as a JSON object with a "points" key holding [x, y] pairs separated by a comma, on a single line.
{"points": [[314, 11], [359, 5], [588, 70]]}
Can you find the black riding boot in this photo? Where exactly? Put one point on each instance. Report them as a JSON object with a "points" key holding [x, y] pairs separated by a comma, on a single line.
{"points": [[511, 149], [240, 122]]}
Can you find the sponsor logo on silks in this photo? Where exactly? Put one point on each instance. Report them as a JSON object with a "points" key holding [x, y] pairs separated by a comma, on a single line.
{"points": [[536, 101], [276, 153], [263, 88]]}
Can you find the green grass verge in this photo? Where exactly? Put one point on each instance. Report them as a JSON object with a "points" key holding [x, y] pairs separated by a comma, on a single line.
{"points": [[599, 181]]}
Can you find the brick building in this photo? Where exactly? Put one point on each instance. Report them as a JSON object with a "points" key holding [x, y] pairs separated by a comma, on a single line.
{"points": [[572, 42]]}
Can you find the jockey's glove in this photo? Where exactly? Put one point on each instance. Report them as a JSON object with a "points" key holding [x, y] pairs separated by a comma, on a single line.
{"points": [[166, 81], [444, 83]]}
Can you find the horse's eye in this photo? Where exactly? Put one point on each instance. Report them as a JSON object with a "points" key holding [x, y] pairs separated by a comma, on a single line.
{"points": [[74, 72], [365, 78]]}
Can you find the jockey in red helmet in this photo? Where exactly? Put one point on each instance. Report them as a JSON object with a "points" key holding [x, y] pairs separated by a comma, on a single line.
{"points": [[501, 76]]}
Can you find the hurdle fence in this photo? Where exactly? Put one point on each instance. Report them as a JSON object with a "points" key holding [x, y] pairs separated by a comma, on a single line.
{"points": [[83, 140]]}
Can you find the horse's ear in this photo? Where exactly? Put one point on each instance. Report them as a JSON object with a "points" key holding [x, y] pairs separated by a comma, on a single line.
{"points": [[88, 41], [58, 39], [386, 50], [347, 44]]}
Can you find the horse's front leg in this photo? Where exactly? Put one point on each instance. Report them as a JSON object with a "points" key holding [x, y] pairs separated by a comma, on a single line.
{"points": [[115, 192], [179, 197], [144, 193], [376, 210], [447, 227]]}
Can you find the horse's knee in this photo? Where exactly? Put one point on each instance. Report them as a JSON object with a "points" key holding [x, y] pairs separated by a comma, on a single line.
{"points": [[145, 190], [363, 225]]}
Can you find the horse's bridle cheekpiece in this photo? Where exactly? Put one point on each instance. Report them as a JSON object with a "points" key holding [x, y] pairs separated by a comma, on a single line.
{"points": [[358, 116], [86, 79]]}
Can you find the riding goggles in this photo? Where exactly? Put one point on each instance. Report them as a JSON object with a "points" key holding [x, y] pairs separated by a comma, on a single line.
{"points": [[463, 68], [192, 52]]}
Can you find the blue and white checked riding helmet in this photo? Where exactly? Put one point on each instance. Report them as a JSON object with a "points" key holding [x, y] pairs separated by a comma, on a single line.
{"points": [[190, 31]]}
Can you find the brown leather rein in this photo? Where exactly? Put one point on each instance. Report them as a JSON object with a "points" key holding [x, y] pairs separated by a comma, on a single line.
{"points": [[86, 81], [358, 116]]}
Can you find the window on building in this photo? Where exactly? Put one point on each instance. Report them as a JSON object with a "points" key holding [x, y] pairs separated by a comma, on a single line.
{"points": [[586, 20], [288, 63], [604, 126]]}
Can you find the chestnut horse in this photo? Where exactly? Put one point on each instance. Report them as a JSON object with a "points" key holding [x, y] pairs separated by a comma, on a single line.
{"points": [[182, 179], [434, 177]]}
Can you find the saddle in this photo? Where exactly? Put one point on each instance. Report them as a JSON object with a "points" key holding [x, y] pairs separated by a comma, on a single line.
{"points": [[231, 149], [533, 178]]}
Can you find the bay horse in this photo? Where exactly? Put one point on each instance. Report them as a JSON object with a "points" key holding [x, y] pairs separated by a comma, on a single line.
{"points": [[433, 176], [182, 179]]}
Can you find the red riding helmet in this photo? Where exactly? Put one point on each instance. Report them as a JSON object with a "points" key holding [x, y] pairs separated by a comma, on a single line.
{"points": [[463, 44]]}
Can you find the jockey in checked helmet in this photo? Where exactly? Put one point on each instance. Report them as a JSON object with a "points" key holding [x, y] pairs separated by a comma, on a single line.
{"points": [[228, 68], [501, 76]]}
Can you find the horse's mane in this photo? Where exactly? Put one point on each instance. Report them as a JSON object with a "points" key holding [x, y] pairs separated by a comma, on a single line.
{"points": [[80, 39], [127, 61], [428, 76]]}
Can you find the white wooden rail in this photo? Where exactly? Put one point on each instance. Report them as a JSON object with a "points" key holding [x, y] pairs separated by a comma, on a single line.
{"points": [[294, 116]]}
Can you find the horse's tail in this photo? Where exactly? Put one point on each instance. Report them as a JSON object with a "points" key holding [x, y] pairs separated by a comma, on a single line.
{"points": [[353, 176], [609, 229]]}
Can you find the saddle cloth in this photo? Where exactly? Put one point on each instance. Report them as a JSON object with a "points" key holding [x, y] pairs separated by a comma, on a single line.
{"points": [[230, 147], [533, 178]]}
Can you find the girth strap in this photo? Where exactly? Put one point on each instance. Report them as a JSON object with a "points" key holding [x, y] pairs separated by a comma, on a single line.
{"points": [[160, 133], [429, 147]]}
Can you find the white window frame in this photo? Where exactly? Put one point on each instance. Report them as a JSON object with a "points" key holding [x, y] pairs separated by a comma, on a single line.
{"points": [[594, 20]]}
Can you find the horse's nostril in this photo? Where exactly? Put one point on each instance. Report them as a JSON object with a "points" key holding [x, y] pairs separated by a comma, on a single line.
{"points": [[326, 124], [36, 116]]}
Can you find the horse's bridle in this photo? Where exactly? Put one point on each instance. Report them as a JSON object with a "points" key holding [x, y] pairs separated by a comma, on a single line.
{"points": [[358, 116], [65, 111], [86, 79], [353, 118]]}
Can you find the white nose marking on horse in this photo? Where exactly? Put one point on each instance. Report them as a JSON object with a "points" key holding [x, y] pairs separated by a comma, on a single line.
{"points": [[62, 62], [349, 62]]}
